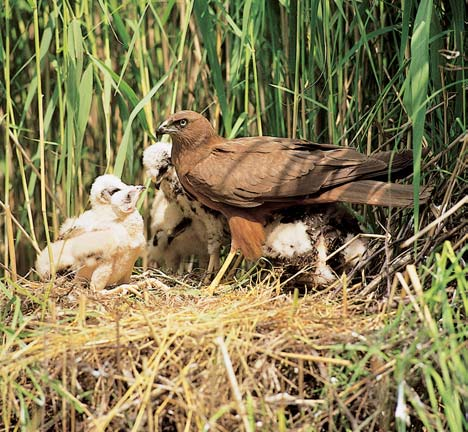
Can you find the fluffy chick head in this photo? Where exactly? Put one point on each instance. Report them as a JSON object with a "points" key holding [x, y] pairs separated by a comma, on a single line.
{"points": [[157, 159], [286, 240], [110, 190]]}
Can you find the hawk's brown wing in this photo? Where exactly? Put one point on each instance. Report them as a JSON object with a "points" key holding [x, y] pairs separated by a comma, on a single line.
{"points": [[248, 172]]}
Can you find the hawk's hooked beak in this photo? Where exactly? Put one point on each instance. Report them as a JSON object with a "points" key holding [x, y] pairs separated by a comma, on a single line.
{"points": [[164, 128]]}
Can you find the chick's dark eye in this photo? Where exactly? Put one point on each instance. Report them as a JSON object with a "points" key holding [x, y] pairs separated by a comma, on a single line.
{"points": [[113, 191], [183, 123]]}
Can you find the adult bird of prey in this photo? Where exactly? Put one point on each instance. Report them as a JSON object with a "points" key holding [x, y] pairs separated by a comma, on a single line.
{"points": [[103, 243], [246, 179]]}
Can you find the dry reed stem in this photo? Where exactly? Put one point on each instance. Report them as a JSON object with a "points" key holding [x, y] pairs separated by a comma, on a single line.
{"points": [[436, 222]]}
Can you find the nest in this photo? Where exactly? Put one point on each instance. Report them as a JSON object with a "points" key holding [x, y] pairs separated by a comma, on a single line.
{"points": [[165, 357]]}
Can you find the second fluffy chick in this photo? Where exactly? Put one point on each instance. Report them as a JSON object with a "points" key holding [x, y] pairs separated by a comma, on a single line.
{"points": [[181, 228]]}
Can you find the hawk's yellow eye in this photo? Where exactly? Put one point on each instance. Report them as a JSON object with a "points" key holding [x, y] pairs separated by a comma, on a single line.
{"points": [[183, 123]]}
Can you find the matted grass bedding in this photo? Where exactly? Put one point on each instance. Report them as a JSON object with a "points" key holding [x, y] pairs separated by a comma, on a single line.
{"points": [[162, 360], [168, 357]]}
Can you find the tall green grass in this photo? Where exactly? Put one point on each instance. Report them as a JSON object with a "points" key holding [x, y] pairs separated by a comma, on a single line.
{"points": [[435, 352], [84, 86], [418, 362]]}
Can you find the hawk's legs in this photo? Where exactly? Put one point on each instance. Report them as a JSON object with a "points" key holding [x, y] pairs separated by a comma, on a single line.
{"points": [[215, 283]]}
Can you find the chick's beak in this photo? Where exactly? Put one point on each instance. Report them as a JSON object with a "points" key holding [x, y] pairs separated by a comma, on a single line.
{"points": [[136, 191], [133, 196]]}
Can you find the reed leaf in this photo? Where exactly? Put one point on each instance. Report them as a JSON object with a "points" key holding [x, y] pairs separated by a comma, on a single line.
{"points": [[122, 152], [418, 79]]}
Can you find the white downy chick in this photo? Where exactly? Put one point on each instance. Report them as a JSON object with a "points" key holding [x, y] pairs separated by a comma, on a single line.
{"points": [[103, 243], [202, 232], [102, 189], [157, 159], [308, 236], [287, 239], [172, 238]]}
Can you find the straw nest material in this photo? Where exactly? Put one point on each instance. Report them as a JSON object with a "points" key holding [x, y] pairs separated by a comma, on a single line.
{"points": [[164, 356]]}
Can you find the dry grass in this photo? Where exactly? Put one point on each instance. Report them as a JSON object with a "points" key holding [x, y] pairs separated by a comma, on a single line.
{"points": [[160, 358]]}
